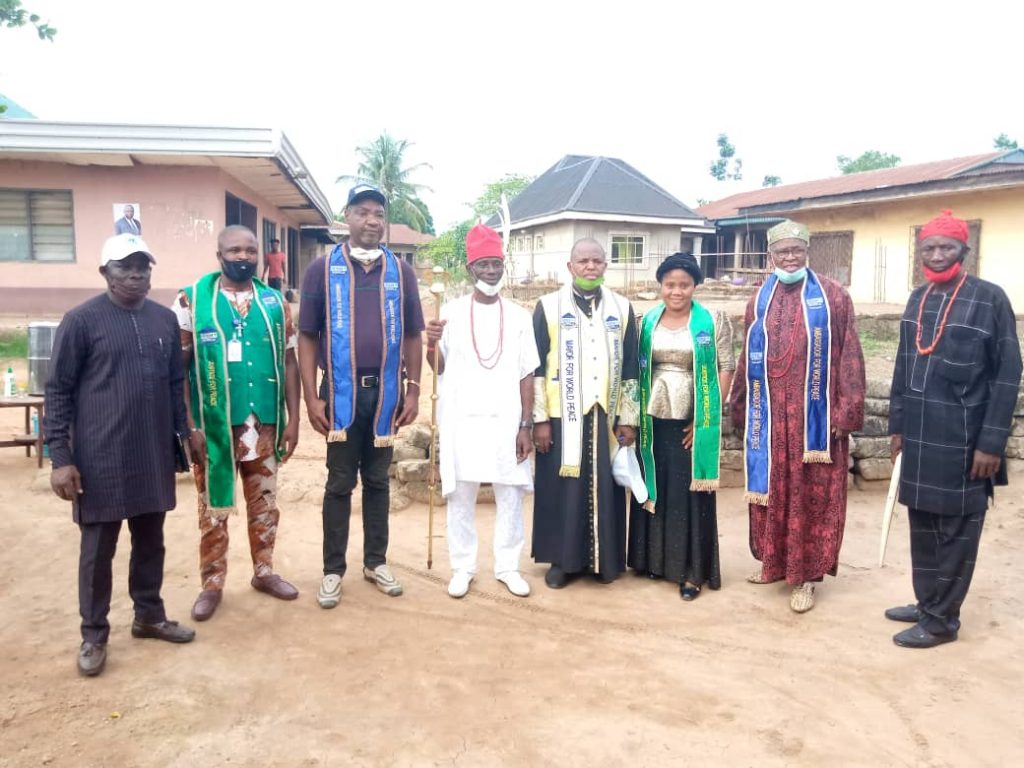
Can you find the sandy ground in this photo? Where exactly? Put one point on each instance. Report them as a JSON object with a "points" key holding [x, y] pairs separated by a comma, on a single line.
{"points": [[591, 675]]}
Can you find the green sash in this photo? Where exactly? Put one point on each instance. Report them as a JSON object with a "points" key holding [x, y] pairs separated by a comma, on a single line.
{"points": [[211, 395], [707, 401]]}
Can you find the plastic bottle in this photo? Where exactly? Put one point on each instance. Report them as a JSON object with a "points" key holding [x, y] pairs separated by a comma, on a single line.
{"points": [[9, 388]]}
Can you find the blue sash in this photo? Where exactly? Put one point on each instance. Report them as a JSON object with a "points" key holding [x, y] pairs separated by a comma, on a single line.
{"points": [[817, 413], [341, 353]]}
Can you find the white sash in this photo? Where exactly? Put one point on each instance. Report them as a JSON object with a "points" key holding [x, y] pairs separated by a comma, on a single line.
{"points": [[570, 318]]}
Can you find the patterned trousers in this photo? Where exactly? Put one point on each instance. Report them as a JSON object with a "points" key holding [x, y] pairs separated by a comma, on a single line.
{"points": [[943, 549], [259, 487]]}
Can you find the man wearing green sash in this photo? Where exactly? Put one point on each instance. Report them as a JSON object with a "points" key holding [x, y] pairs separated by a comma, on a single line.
{"points": [[238, 343]]}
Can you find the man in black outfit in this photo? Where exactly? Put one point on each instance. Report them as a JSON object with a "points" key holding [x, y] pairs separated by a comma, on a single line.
{"points": [[113, 403]]}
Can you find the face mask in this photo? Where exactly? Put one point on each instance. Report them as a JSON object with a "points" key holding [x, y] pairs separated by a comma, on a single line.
{"points": [[487, 289], [788, 278], [364, 256], [945, 275], [238, 271], [588, 284]]}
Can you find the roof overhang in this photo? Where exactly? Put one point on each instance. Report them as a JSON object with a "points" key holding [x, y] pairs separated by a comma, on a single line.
{"points": [[958, 185], [697, 225], [260, 158]]}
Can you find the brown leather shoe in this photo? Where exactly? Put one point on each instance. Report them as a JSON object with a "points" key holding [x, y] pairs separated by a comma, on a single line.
{"points": [[206, 604], [275, 586], [91, 658], [170, 631]]}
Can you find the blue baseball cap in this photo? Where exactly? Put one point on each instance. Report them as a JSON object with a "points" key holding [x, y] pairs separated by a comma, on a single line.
{"points": [[364, 192]]}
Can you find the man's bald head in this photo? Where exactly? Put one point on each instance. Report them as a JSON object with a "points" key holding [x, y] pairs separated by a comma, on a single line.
{"points": [[230, 231], [586, 244]]}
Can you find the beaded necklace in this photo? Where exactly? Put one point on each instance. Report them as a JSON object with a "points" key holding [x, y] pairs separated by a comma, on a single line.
{"points": [[490, 361], [925, 351]]}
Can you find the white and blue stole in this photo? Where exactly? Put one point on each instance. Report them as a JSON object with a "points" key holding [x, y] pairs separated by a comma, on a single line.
{"points": [[341, 351], [817, 413]]}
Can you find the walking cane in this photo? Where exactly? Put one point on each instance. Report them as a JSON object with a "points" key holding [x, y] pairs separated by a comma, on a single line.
{"points": [[436, 288]]}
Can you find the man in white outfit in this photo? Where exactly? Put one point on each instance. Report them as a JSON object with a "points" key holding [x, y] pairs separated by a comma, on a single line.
{"points": [[487, 355]]}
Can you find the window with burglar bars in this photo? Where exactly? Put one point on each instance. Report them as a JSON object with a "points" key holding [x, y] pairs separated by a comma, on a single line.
{"points": [[36, 225], [628, 249]]}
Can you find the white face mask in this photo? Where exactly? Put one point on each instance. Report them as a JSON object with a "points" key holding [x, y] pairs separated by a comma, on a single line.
{"points": [[489, 290], [364, 256], [788, 278]]}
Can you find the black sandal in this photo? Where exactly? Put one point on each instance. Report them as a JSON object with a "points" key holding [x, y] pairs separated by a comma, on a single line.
{"points": [[688, 591]]}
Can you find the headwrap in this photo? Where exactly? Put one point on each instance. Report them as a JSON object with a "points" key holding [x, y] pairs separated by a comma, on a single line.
{"points": [[483, 243], [946, 225], [787, 229], [683, 261]]}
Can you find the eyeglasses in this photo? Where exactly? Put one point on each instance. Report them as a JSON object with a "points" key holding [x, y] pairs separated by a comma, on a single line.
{"points": [[794, 251]]}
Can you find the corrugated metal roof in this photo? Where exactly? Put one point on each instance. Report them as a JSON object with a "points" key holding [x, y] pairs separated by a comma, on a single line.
{"points": [[855, 182]]}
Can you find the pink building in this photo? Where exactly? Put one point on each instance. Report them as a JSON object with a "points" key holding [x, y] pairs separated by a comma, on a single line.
{"points": [[63, 186]]}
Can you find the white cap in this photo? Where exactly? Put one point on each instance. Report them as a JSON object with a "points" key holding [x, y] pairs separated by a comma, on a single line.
{"points": [[121, 246], [626, 471]]}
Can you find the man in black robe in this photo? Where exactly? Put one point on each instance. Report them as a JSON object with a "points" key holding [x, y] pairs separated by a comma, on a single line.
{"points": [[957, 376], [113, 404], [579, 512]]}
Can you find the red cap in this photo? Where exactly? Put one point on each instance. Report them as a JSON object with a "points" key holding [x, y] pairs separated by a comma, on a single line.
{"points": [[947, 225], [483, 243]]}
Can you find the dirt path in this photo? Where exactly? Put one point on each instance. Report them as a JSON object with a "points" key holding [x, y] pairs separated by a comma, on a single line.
{"points": [[592, 675]]}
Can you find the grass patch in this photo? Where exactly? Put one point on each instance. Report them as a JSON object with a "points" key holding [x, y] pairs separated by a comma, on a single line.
{"points": [[13, 344]]}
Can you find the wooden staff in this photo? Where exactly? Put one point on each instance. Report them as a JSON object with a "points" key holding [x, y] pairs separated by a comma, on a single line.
{"points": [[436, 288]]}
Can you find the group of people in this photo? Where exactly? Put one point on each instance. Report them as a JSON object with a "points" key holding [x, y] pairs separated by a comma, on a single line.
{"points": [[611, 404]]}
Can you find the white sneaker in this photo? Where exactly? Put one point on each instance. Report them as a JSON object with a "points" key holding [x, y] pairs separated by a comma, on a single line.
{"points": [[330, 591], [384, 579], [515, 582], [459, 585]]}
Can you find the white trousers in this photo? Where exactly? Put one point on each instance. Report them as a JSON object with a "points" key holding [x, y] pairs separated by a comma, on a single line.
{"points": [[508, 527]]}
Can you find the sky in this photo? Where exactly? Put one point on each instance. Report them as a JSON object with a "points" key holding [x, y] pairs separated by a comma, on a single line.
{"points": [[484, 89]]}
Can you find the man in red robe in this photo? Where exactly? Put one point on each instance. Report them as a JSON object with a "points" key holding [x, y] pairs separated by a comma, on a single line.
{"points": [[798, 533]]}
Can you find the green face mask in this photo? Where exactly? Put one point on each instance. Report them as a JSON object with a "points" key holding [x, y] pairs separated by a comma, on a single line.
{"points": [[588, 284]]}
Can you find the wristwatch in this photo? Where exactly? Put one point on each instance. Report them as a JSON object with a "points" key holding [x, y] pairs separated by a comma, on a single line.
{"points": [[526, 424]]}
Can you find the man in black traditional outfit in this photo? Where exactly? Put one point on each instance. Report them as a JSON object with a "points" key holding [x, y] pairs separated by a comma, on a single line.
{"points": [[954, 389], [586, 404], [113, 404]]}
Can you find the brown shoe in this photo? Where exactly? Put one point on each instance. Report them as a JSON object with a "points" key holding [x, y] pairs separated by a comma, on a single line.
{"points": [[275, 586], [206, 604]]}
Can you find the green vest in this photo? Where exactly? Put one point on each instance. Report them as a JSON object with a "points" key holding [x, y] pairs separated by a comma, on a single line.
{"points": [[253, 380]]}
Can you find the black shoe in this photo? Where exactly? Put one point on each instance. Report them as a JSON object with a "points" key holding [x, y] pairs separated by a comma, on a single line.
{"points": [[908, 613], [919, 637], [688, 591], [170, 631], [555, 577], [91, 658], [603, 579]]}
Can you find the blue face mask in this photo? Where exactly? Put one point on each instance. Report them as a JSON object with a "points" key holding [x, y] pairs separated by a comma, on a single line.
{"points": [[788, 278]]}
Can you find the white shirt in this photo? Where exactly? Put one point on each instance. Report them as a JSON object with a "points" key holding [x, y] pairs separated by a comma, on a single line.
{"points": [[480, 408]]}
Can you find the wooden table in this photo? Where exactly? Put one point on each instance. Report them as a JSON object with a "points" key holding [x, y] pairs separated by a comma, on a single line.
{"points": [[28, 439]]}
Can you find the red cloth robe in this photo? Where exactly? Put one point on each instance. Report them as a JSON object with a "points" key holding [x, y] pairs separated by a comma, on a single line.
{"points": [[797, 536]]}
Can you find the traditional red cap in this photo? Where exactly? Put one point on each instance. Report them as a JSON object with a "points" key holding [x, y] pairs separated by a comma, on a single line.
{"points": [[483, 243], [947, 225]]}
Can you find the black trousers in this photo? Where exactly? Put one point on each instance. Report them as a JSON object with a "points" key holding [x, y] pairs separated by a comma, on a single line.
{"points": [[943, 549], [357, 457], [145, 572]]}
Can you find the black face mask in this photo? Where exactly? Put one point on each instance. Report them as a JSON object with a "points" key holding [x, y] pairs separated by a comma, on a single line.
{"points": [[238, 271]]}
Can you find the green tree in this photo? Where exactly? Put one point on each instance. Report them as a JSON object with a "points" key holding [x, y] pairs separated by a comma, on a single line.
{"points": [[871, 160], [13, 15], [1004, 142], [424, 223], [449, 251], [727, 166], [511, 184], [771, 181], [382, 164]]}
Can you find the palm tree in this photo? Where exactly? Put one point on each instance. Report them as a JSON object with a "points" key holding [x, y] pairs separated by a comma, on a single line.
{"points": [[380, 164]]}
